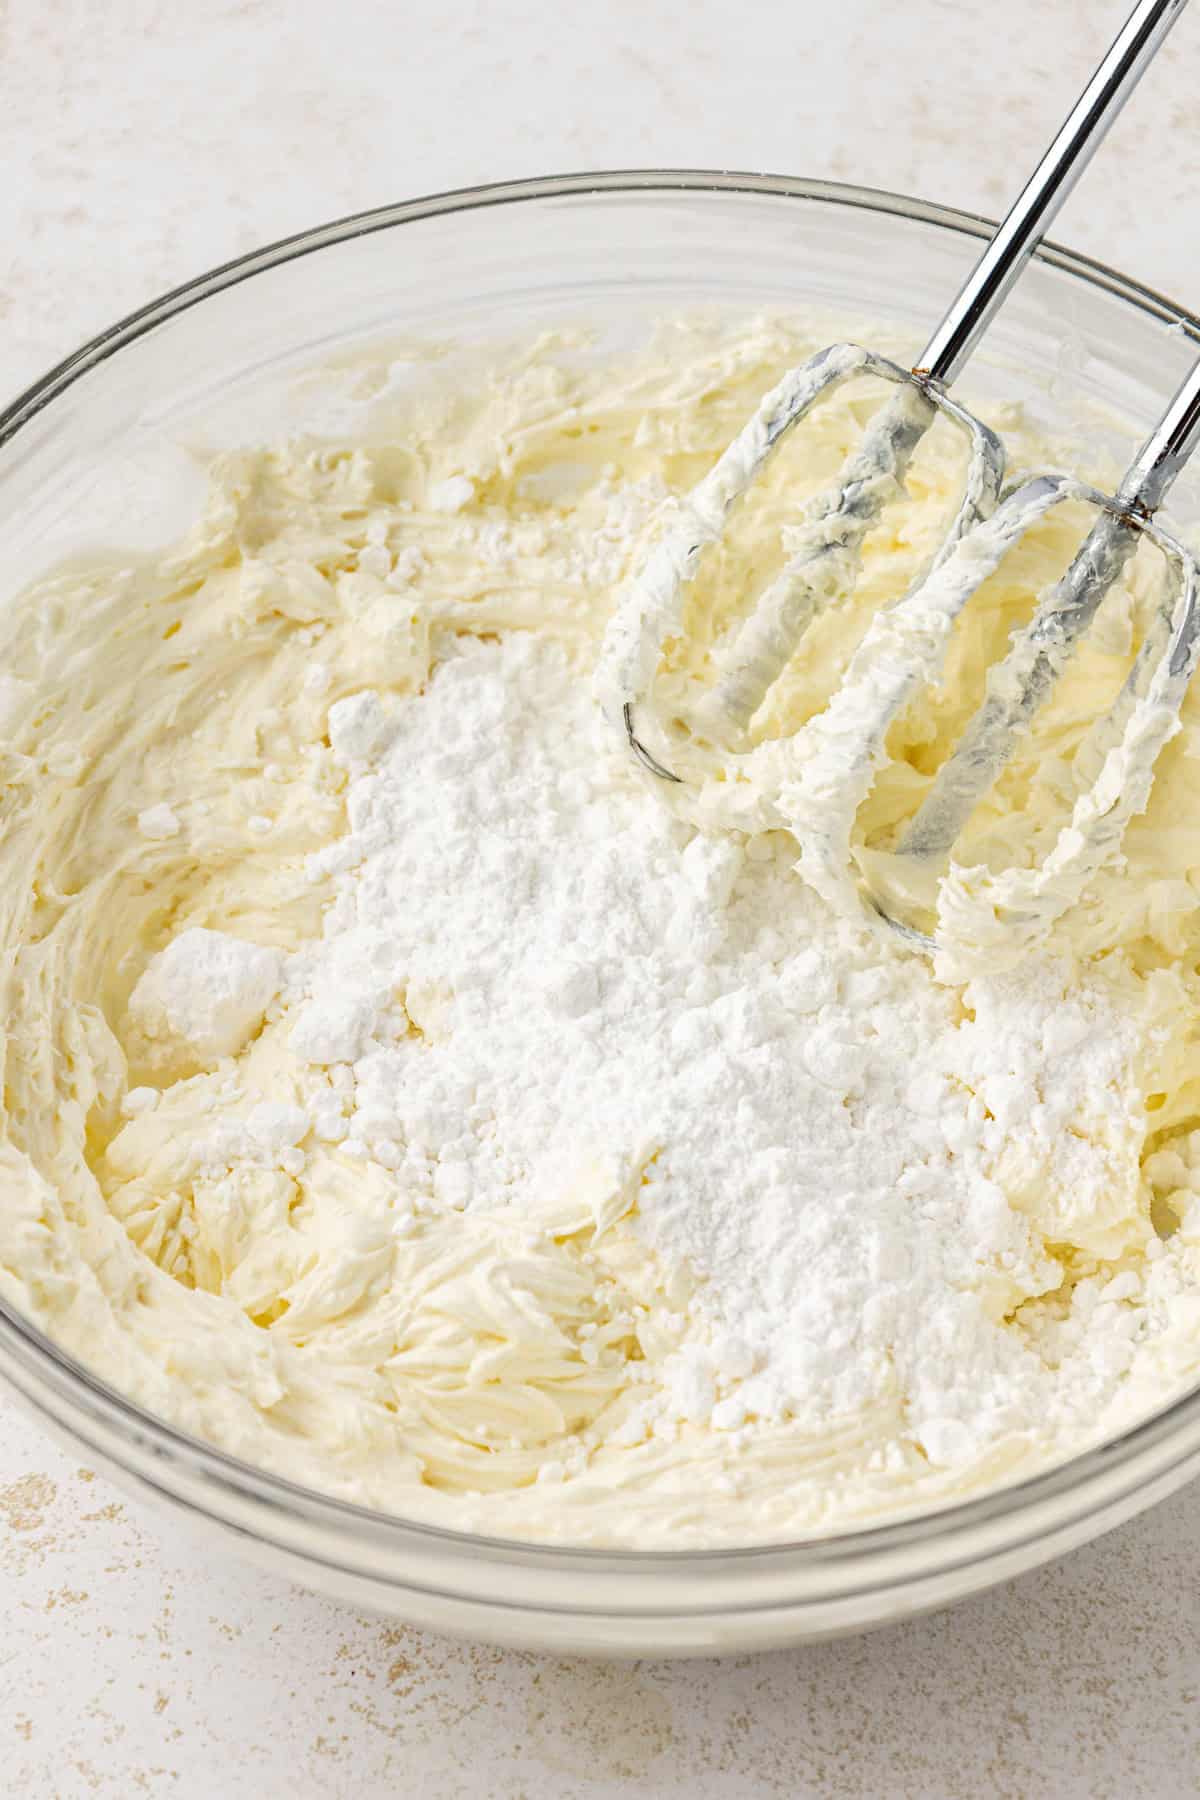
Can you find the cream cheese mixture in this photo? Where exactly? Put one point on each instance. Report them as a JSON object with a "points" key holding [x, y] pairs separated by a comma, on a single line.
{"points": [[408, 1093]]}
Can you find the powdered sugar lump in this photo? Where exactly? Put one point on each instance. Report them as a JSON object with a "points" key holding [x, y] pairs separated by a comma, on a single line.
{"points": [[207, 990]]}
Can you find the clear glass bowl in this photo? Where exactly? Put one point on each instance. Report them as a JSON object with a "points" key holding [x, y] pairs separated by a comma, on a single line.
{"points": [[98, 453]]}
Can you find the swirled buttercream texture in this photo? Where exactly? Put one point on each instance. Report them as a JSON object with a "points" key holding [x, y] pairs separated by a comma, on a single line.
{"points": [[411, 1095]]}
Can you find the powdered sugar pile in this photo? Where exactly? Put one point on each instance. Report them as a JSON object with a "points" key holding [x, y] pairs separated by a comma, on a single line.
{"points": [[534, 973], [535, 979]]}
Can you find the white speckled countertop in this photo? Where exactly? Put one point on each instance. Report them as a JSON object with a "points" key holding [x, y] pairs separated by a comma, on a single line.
{"points": [[144, 141]]}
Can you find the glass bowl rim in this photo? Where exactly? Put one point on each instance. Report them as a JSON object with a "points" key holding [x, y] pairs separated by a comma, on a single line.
{"points": [[41, 1358]]}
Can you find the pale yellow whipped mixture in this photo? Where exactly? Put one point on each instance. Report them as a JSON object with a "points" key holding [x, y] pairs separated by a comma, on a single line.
{"points": [[165, 764]]}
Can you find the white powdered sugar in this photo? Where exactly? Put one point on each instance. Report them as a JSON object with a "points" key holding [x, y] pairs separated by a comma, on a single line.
{"points": [[206, 990], [535, 980], [358, 727]]}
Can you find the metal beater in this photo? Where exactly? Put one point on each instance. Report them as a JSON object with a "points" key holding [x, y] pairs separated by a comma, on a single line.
{"points": [[835, 757], [906, 640]]}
